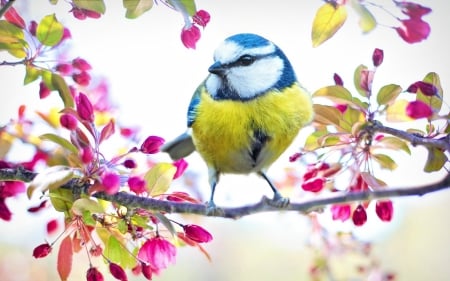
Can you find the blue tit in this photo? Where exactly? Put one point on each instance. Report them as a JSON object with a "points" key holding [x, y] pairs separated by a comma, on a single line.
{"points": [[246, 112]]}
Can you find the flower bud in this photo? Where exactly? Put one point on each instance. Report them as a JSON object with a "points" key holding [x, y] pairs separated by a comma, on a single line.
{"points": [[377, 57], [84, 108], [201, 18], [314, 184], [111, 182], [44, 91], [68, 121], [83, 78], [338, 80], [117, 272], [42, 250], [359, 216], [81, 64], [384, 210], [190, 36], [94, 275], [341, 212], [197, 233], [152, 144], [181, 166], [418, 109]]}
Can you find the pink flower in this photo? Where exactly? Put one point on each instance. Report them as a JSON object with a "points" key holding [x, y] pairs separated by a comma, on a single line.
{"points": [[64, 68], [68, 121], [84, 108], [314, 184], [413, 10], [111, 182], [158, 252], [94, 275], [338, 80], [117, 272], [384, 210], [190, 35], [42, 250], [52, 225], [413, 30], [129, 164], [32, 27], [341, 212], [152, 145], [83, 78], [197, 233], [13, 17], [426, 88], [137, 185], [377, 57], [86, 154], [81, 64], [5, 213], [82, 14], [342, 107], [181, 166], [201, 18], [359, 216], [44, 91], [418, 109]]}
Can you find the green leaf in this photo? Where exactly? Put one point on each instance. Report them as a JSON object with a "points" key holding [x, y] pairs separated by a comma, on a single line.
{"points": [[435, 161], [59, 140], [394, 143], [372, 181], [135, 8], [53, 2], [396, 112], [184, 6], [367, 21], [31, 74], [327, 115], [85, 204], [159, 178], [435, 101], [50, 178], [388, 94], [336, 93], [92, 5], [62, 199], [12, 39], [49, 31], [312, 142], [167, 223], [357, 80], [385, 161], [351, 116], [116, 252], [61, 86], [327, 21]]}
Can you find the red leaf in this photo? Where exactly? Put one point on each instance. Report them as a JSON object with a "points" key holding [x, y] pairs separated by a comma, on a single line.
{"points": [[64, 263], [13, 17], [107, 131]]}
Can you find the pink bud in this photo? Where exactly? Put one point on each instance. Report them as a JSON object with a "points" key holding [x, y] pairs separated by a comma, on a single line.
{"points": [[190, 36], [13, 17], [294, 157], [129, 164], [42, 251], [314, 184], [94, 275], [152, 145], [197, 233], [84, 108], [68, 121], [32, 27], [52, 225], [5, 213], [413, 10], [427, 89], [338, 80], [78, 13], [87, 155], [413, 30], [111, 182], [341, 107], [82, 78], [377, 57], [384, 210], [418, 109], [64, 68], [147, 271], [201, 18], [44, 91], [81, 64], [117, 272], [359, 216], [341, 212], [181, 166], [137, 185], [92, 14]]}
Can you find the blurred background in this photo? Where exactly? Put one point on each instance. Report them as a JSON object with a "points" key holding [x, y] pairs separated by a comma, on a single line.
{"points": [[151, 78]]}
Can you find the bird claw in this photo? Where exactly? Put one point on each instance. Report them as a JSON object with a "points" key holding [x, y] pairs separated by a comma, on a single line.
{"points": [[212, 210], [279, 201]]}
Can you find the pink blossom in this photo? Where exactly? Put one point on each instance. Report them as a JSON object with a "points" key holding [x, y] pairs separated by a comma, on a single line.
{"points": [[197, 233], [418, 109], [32, 27], [181, 166], [68, 121], [13, 17], [86, 154], [158, 252], [81, 64], [413, 30], [64, 68], [5, 213], [44, 91], [190, 35], [201, 18], [384, 210], [426, 88], [152, 145], [341, 212], [338, 80], [137, 185], [84, 108], [117, 272], [82, 78], [111, 182], [413, 10], [42, 250], [359, 216], [377, 57], [94, 275], [314, 184]]}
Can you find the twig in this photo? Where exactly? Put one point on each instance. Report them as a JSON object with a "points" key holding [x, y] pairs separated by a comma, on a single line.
{"points": [[5, 8], [264, 205]]}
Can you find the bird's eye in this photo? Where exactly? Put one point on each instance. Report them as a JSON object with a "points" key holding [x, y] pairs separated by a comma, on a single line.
{"points": [[245, 60]]}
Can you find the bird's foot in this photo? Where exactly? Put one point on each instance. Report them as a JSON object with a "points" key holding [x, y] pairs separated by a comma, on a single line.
{"points": [[212, 210], [279, 201]]}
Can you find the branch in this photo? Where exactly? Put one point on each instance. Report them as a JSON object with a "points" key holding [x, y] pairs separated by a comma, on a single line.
{"points": [[6, 7], [264, 205], [443, 143]]}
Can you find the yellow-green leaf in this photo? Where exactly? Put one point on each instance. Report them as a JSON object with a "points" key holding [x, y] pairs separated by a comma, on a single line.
{"points": [[385, 161], [396, 112], [12, 39], [166, 222], [372, 181], [336, 93], [312, 141], [31, 74], [49, 31], [327, 21], [135, 8], [394, 143], [436, 160], [435, 101], [388, 94], [50, 178], [61, 86], [159, 178], [351, 116], [367, 21], [327, 115], [59, 140], [92, 5], [62, 199], [85, 204]]}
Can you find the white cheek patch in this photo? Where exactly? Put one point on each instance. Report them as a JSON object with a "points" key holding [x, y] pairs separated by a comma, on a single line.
{"points": [[250, 81], [213, 83]]}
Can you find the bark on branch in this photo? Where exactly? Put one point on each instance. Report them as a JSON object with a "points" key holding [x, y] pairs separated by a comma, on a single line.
{"points": [[264, 205]]}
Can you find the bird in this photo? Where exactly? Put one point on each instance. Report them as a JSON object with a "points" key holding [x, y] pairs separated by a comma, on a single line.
{"points": [[246, 112]]}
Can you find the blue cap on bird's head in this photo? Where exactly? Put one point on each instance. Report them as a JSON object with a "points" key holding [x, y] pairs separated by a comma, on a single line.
{"points": [[247, 65]]}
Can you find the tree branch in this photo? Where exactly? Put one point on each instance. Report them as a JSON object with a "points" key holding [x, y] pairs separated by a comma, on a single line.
{"points": [[264, 205], [5, 8]]}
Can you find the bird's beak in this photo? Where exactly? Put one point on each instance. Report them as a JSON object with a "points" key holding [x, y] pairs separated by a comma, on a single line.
{"points": [[217, 68]]}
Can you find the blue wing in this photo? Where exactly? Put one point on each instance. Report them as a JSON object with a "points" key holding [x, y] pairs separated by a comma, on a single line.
{"points": [[192, 109]]}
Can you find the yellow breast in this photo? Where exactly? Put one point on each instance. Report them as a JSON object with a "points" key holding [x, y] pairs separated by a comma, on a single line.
{"points": [[224, 130]]}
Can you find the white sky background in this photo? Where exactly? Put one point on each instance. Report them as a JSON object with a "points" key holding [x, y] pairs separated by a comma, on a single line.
{"points": [[152, 75]]}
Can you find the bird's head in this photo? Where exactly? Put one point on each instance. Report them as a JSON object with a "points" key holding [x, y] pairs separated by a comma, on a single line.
{"points": [[247, 65]]}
